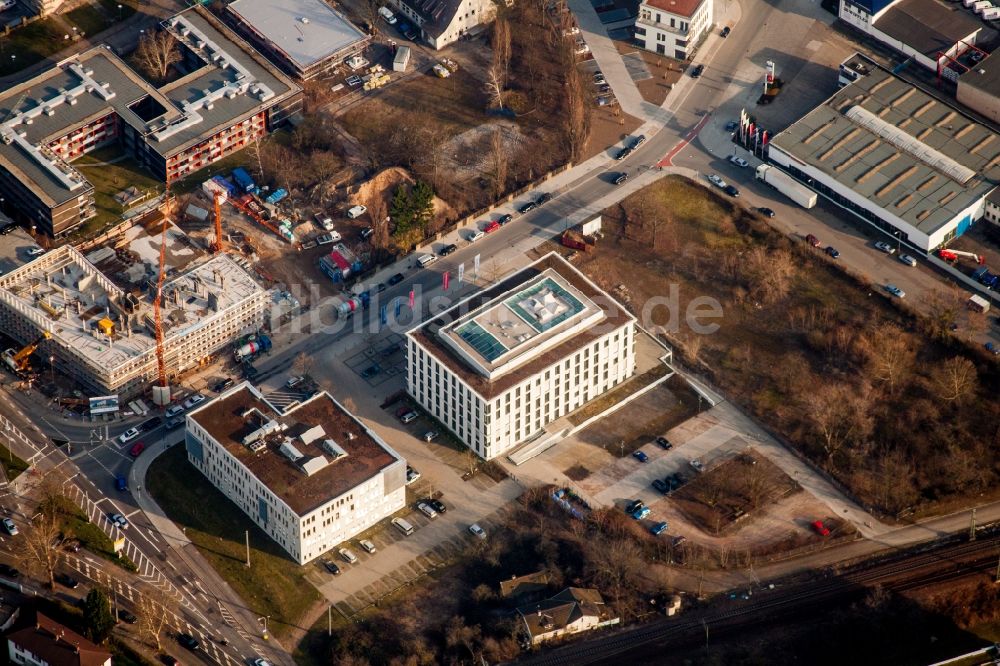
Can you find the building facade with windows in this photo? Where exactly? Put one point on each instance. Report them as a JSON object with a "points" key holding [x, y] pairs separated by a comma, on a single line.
{"points": [[48, 643], [673, 27], [443, 22], [310, 475], [227, 97], [503, 364]]}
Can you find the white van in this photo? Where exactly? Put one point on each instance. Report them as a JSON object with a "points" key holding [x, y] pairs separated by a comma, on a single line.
{"points": [[476, 235], [348, 555], [403, 526], [356, 211], [426, 260], [387, 14]]}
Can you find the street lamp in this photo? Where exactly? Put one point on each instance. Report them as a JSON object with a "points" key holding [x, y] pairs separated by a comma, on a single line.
{"points": [[119, 12], [52, 369]]}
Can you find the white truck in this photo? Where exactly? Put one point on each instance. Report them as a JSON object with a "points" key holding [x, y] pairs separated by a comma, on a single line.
{"points": [[991, 13], [787, 185], [980, 6]]}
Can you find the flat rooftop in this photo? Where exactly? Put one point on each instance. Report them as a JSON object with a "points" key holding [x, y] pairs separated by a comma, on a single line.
{"points": [[899, 147], [67, 295], [229, 83], [550, 302], [984, 75], [306, 31], [929, 26], [320, 471]]}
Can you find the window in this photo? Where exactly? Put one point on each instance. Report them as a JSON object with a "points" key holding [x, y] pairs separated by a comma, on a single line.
{"points": [[672, 22]]}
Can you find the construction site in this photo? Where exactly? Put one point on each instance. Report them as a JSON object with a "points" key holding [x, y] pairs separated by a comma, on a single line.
{"points": [[96, 316]]}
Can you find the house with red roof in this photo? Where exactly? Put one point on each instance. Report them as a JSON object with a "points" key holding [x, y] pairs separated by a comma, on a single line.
{"points": [[673, 27]]}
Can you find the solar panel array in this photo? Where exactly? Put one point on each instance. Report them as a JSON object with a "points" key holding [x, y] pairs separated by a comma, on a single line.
{"points": [[485, 344], [575, 306]]}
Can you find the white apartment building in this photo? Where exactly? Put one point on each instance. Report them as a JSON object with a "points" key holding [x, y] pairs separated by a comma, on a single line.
{"points": [[500, 366], [672, 27], [311, 477], [443, 22]]}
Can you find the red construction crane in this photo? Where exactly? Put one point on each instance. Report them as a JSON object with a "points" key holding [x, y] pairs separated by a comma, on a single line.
{"points": [[217, 244]]}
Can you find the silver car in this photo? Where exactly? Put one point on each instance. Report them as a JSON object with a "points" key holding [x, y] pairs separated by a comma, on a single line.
{"points": [[908, 260], [427, 510]]}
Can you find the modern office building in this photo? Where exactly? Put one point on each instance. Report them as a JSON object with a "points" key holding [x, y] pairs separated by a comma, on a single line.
{"points": [[102, 333], [311, 476], [900, 158], [673, 27], [227, 97], [499, 366], [306, 38], [928, 31]]}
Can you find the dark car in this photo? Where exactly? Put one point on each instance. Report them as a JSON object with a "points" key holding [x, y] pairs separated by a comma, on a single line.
{"points": [[664, 443], [766, 212], [168, 660], [7, 228], [812, 240], [993, 349], [504, 219], [67, 581], [661, 486], [396, 279], [437, 505], [9, 571], [832, 251], [121, 483], [527, 208], [620, 178], [632, 506], [731, 191], [331, 567], [222, 384], [638, 141], [623, 153], [726, 31], [544, 197], [447, 249], [380, 287], [188, 641], [249, 372], [731, 127], [127, 617], [150, 423], [696, 72]]}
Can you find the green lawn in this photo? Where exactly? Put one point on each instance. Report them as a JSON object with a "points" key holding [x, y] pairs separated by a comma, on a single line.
{"points": [[76, 526], [12, 465], [274, 585], [110, 179]]}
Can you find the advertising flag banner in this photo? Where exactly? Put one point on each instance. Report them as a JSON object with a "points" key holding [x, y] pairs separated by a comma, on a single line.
{"points": [[412, 298], [475, 265], [384, 313], [445, 278], [399, 305], [461, 273]]}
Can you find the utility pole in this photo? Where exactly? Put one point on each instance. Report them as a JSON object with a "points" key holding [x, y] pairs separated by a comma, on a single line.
{"points": [[329, 620], [248, 557], [972, 526]]}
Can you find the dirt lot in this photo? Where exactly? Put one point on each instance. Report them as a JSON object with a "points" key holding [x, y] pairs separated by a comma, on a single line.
{"points": [[664, 72]]}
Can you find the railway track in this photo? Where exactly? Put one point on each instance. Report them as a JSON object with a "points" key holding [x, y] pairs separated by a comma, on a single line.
{"points": [[898, 572]]}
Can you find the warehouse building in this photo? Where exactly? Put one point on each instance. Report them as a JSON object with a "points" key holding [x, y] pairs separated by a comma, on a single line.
{"points": [[979, 87], [896, 156], [227, 98], [103, 334], [306, 38], [311, 476], [929, 31], [501, 365]]}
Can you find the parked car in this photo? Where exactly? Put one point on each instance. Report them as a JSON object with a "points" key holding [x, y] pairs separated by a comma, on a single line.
{"points": [[620, 178], [599, 77], [127, 617], [731, 126], [67, 581], [766, 212], [222, 385], [640, 456], [348, 555], [638, 141], [661, 486], [367, 545], [633, 505], [725, 31], [895, 291], [396, 279], [812, 240], [331, 567], [326, 239], [167, 660], [544, 197], [72, 545], [696, 72], [491, 227], [150, 424], [885, 247], [136, 449], [623, 153], [176, 410], [993, 349], [9, 571], [908, 260], [477, 531], [832, 251], [121, 483], [323, 221], [355, 212], [448, 249], [387, 15], [697, 465], [664, 443], [128, 435], [731, 191], [411, 475], [438, 505], [193, 400], [408, 417], [292, 382], [820, 528], [118, 519], [658, 528], [504, 219], [35, 251], [426, 509], [641, 513], [527, 208], [430, 435], [716, 180], [739, 161], [188, 641]]}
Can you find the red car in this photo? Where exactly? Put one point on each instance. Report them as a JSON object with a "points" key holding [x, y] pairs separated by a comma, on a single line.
{"points": [[491, 227], [820, 528], [812, 240], [136, 449]]}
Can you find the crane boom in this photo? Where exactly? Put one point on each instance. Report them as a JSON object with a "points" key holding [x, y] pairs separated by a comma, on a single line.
{"points": [[217, 205]]}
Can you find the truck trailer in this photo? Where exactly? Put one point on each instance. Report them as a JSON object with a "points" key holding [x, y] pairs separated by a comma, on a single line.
{"points": [[244, 181], [249, 350], [787, 185]]}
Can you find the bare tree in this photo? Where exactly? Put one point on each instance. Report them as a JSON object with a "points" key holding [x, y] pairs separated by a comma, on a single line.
{"points": [[378, 210], [495, 85], [156, 53], [943, 309], [301, 363], [768, 274], [498, 163], [890, 354], [501, 46], [40, 547], [840, 414], [577, 120], [371, 13], [153, 608], [955, 378]]}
